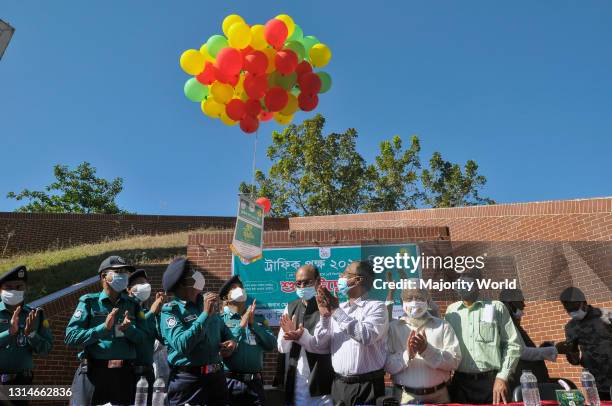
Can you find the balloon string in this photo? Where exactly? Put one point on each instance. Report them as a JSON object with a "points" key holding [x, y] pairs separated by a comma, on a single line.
{"points": [[254, 158]]}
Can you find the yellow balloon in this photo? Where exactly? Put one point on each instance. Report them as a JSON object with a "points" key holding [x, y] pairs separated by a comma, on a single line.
{"points": [[192, 62], [211, 108], [207, 56], [239, 88], [271, 54], [320, 54], [288, 22], [229, 21], [258, 41], [291, 107], [221, 92], [282, 119], [239, 35], [226, 120]]}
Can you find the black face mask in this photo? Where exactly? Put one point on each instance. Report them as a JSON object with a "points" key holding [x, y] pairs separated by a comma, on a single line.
{"points": [[469, 295]]}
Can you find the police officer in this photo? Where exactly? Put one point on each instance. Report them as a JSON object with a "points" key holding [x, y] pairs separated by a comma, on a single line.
{"points": [[243, 369], [588, 338], [23, 331], [196, 338], [139, 288], [108, 327]]}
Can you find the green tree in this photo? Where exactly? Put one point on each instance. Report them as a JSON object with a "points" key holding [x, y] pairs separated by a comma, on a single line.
{"points": [[74, 191], [312, 173], [395, 177], [446, 185]]}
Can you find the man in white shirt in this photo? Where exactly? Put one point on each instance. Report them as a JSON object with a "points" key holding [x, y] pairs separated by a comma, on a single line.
{"points": [[423, 351], [355, 332], [305, 371]]}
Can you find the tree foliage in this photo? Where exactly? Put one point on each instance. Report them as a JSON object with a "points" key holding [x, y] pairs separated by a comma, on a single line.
{"points": [[315, 174], [74, 191]]}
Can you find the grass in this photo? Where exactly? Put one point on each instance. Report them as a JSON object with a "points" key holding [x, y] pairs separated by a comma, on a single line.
{"points": [[52, 270]]}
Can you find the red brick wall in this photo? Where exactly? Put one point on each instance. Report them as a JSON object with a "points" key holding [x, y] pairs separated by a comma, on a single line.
{"points": [[552, 267], [28, 232]]}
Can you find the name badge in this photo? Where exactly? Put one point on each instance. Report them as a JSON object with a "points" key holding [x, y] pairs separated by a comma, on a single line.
{"points": [[190, 318], [4, 321]]}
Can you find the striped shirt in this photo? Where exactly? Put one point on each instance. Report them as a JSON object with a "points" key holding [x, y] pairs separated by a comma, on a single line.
{"points": [[356, 336], [488, 339]]}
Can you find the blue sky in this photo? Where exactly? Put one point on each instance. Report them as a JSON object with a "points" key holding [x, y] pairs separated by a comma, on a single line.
{"points": [[524, 88]]}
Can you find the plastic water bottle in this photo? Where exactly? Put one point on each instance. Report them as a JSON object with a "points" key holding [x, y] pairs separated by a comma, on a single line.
{"points": [[158, 392], [142, 392], [529, 388], [590, 388]]}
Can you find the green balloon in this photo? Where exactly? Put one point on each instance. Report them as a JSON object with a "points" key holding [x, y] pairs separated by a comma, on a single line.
{"points": [[195, 91], [326, 81], [286, 81], [309, 41], [215, 44], [298, 48], [297, 35]]}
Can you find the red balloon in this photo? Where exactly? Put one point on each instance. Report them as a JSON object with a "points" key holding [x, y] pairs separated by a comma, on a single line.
{"points": [[310, 83], [235, 109], [249, 124], [275, 33], [265, 203], [307, 101], [208, 75], [302, 68], [229, 61], [252, 107], [246, 51], [256, 62], [276, 99], [225, 78], [286, 61], [265, 115], [255, 86]]}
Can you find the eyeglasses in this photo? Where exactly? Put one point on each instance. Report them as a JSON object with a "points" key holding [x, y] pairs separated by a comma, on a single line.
{"points": [[304, 283]]}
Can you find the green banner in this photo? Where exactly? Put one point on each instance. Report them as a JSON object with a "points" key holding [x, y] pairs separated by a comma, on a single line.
{"points": [[271, 279], [248, 233]]}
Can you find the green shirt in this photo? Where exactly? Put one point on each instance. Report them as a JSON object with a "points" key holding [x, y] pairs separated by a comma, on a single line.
{"points": [[487, 337], [16, 351], [252, 342], [144, 352], [191, 335], [86, 327]]}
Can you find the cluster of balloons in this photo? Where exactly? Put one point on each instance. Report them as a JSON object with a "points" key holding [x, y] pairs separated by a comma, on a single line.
{"points": [[257, 73], [265, 203]]}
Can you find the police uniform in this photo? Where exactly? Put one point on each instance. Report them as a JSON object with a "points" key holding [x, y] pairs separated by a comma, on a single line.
{"points": [[144, 352], [16, 350], [107, 356], [243, 368], [192, 337]]}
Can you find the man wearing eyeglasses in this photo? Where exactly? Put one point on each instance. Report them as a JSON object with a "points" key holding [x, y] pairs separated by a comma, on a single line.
{"points": [[305, 370], [355, 332]]}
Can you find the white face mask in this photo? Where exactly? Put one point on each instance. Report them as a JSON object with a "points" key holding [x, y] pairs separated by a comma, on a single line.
{"points": [[415, 309], [578, 314], [12, 297], [142, 291], [237, 295], [199, 280]]}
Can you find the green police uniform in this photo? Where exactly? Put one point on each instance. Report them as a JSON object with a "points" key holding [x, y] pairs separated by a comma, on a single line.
{"points": [[252, 342], [86, 328], [191, 335], [16, 351]]}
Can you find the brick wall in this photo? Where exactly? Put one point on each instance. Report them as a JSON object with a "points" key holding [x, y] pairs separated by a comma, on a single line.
{"points": [[547, 267], [28, 232]]}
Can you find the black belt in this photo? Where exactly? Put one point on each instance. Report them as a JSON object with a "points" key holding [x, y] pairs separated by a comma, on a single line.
{"points": [[362, 377], [4, 378], [110, 363], [421, 391], [475, 376], [142, 369], [200, 369], [243, 377]]}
